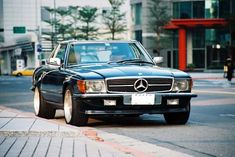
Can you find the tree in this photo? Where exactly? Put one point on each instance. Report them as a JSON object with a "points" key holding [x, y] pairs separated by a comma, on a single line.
{"points": [[53, 22], [159, 18], [74, 28], [62, 26], [114, 19], [88, 16], [59, 25]]}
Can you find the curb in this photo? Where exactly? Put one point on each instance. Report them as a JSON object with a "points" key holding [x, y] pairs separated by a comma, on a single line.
{"points": [[134, 147], [119, 143]]}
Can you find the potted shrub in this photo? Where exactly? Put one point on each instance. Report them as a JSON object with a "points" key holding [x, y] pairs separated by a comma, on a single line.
{"points": [[190, 67]]}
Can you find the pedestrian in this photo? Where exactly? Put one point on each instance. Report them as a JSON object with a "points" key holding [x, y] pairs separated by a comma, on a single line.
{"points": [[228, 69]]}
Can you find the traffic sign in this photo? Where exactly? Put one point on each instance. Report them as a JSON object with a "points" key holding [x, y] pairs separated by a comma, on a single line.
{"points": [[19, 29]]}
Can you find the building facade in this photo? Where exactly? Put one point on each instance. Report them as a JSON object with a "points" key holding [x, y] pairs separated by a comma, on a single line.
{"points": [[22, 25], [140, 24], [19, 30], [202, 36]]}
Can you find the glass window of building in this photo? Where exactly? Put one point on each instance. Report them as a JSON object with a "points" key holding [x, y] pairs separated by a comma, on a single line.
{"points": [[192, 9], [175, 59], [175, 38], [233, 7], [216, 56], [210, 36], [45, 14], [176, 10], [217, 41], [211, 8], [136, 10], [185, 10], [224, 8], [198, 36], [199, 58], [198, 9]]}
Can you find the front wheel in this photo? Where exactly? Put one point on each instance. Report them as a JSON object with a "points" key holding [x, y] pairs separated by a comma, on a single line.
{"points": [[41, 108], [18, 74], [72, 111], [178, 118]]}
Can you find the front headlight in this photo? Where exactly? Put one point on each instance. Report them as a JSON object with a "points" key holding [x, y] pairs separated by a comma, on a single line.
{"points": [[91, 86], [182, 85]]}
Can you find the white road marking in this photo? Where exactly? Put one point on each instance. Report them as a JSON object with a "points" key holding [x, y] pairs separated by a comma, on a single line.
{"points": [[5, 83], [197, 123], [227, 115], [214, 92]]}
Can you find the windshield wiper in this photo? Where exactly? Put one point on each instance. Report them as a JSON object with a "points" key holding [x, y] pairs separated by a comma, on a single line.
{"points": [[133, 61]]}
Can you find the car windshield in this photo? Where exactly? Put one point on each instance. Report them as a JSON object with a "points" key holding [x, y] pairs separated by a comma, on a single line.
{"points": [[83, 53]]}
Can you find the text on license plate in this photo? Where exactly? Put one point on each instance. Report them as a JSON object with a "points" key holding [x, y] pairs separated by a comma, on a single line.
{"points": [[143, 99]]}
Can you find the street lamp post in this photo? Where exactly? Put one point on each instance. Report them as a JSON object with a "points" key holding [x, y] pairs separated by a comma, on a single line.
{"points": [[1, 62]]}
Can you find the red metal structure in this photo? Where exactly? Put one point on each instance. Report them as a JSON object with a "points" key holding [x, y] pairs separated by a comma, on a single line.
{"points": [[182, 24]]}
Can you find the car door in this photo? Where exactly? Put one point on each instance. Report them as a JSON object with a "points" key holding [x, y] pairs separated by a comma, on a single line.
{"points": [[53, 77], [28, 71]]}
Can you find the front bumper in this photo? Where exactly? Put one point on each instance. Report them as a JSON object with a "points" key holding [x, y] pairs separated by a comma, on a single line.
{"points": [[93, 104], [180, 95]]}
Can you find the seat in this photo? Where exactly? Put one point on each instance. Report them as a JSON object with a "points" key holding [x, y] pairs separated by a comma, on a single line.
{"points": [[72, 59], [89, 59]]}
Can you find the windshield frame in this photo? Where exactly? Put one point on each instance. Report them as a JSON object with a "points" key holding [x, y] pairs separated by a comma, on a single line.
{"points": [[140, 48]]}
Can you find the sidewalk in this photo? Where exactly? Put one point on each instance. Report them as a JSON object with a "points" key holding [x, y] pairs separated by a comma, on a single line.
{"points": [[204, 75], [215, 78], [23, 134]]}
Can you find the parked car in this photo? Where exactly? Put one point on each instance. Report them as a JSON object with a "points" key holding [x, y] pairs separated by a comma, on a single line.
{"points": [[105, 78], [28, 71]]}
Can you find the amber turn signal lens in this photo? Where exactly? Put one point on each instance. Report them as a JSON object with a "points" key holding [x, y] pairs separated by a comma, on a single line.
{"points": [[81, 86], [191, 84]]}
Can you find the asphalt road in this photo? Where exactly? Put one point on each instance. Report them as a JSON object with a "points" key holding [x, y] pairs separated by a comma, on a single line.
{"points": [[209, 132]]}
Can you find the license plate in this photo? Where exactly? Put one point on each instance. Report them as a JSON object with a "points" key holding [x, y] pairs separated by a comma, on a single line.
{"points": [[143, 99]]}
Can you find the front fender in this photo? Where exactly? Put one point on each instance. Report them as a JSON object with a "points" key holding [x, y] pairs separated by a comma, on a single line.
{"points": [[36, 78], [69, 81]]}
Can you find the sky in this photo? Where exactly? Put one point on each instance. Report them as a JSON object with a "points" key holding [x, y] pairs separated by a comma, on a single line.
{"points": [[93, 3]]}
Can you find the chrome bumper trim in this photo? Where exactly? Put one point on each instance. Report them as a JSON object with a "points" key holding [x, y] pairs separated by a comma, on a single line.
{"points": [[106, 95], [127, 112]]}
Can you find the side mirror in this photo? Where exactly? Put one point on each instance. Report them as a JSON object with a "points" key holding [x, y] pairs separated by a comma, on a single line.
{"points": [[158, 60], [55, 61]]}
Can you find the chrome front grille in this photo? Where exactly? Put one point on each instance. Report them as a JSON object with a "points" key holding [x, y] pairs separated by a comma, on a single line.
{"points": [[160, 84]]}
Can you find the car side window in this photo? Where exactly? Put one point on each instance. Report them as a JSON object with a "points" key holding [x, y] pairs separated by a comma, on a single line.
{"points": [[61, 52]]}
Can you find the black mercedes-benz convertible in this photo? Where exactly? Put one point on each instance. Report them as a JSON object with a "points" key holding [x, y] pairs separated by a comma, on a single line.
{"points": [[97, 78]]}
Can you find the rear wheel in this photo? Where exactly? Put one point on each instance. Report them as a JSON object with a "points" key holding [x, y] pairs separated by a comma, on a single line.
{"points": [[18, 74], [178, 118], [72, 111], [41, 108]]}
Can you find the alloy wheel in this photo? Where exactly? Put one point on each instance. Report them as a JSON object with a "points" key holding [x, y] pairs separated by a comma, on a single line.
{"points": [[68, 106], [36, 101]]}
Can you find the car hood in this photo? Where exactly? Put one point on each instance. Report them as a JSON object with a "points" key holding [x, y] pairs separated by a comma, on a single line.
{"points": [[124, 70]]}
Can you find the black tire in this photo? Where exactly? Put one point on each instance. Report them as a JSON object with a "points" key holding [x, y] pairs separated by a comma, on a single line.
{"points": [[41, 108], [178, 118], [73, 111], [18, 74]]}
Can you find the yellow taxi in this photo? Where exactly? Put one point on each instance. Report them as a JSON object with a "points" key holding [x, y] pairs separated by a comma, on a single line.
{"points": [[28, 71]]}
